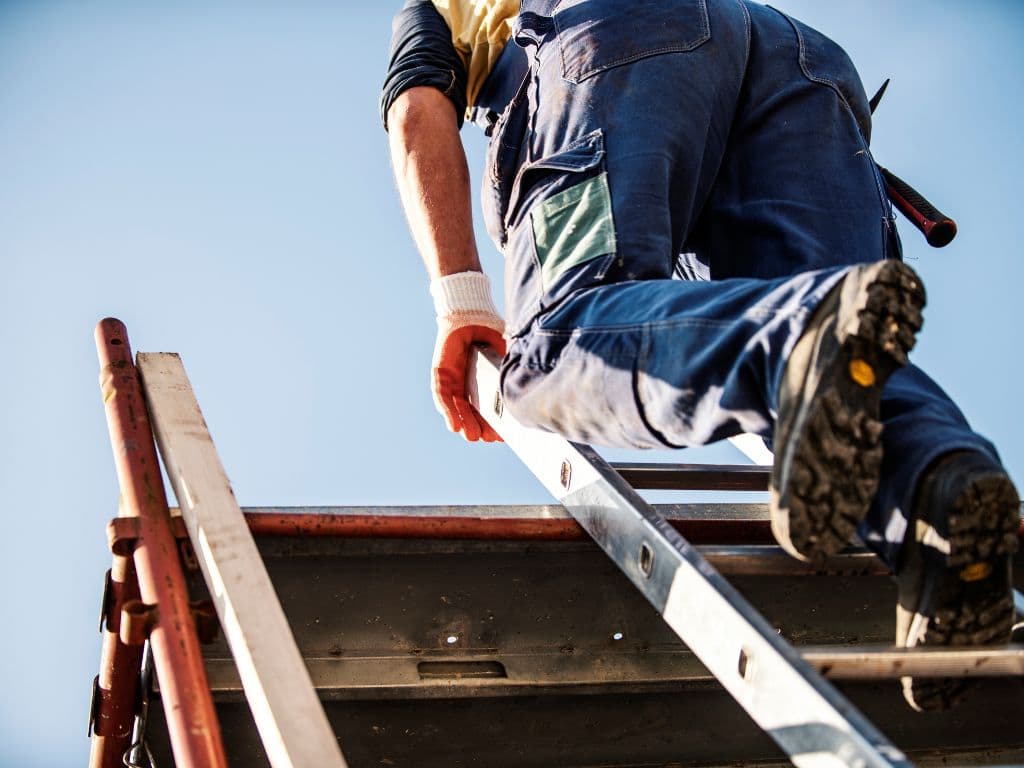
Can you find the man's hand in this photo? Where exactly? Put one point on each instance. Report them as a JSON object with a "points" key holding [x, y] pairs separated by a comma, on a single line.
{"points": [[465, 317], [451, 360]]}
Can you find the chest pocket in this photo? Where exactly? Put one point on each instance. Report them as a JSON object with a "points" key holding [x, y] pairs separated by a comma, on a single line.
{"points": [[596, 35]]}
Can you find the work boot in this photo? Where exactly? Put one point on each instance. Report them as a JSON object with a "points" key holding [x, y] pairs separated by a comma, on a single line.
{"points": [[827, 441], [954, 579]]}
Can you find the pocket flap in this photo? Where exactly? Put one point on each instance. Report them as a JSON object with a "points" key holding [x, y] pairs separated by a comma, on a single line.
{"points": [[549, 175], [581, 155]]}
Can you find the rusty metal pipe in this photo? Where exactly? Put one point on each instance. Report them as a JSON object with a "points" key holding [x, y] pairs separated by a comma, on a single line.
{"points": [[118, 682], [191, 719], [370, 526], [535, 529]]}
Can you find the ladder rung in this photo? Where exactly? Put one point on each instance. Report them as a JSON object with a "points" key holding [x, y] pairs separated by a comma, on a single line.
{"points": [[770, 560], [882, 662], [694, 477]]}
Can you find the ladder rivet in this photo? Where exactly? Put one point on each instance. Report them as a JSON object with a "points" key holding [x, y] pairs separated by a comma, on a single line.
{"points": [[646, 560], [745, 667], [565, 475]]}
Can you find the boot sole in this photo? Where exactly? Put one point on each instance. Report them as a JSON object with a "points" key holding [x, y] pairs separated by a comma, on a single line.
{"points": [[824, 484], [965, 596]]}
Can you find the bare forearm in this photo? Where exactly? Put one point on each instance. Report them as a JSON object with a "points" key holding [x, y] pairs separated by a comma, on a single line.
{"points": [[433, 180]]}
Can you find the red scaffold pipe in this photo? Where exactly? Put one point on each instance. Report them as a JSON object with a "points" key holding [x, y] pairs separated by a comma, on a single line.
{"points": [[372, 526], [187, 703], [369, 526], [117, 684]]}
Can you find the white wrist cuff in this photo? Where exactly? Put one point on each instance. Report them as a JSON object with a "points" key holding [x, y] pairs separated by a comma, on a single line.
{"points": [[462, 292]]}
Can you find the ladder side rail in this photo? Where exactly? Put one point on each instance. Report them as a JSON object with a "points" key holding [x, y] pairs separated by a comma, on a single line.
{"points": [[805, 715], [289, 717], [191, 719]]}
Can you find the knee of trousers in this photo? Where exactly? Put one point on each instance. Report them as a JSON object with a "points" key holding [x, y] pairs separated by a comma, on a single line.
{"points": [[579, 385]]}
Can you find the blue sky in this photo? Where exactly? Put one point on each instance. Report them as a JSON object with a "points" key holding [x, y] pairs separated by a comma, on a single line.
{"points": [[217, 178]]}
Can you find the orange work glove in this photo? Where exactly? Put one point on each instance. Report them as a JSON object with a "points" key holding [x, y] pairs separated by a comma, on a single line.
{"points": [[465, 316]]}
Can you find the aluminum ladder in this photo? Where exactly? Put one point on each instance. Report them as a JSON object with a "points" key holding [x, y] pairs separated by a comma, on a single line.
{"points": [[781, 689]]}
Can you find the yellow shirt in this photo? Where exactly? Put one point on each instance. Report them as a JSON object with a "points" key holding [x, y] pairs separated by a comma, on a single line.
{"points": [[480, 29]]}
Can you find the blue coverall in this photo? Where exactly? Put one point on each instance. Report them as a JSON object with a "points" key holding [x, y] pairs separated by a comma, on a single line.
{"points": [[675, 186]]}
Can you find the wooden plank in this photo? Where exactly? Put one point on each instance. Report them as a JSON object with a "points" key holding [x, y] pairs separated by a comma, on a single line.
{"points": [[284, 704]]}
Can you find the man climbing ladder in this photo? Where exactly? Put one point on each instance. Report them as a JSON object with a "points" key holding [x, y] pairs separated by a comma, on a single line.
{"points": [[724, 143]]}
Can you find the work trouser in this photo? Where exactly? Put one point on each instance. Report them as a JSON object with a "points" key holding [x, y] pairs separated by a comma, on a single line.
{"points": [[675, 188]]}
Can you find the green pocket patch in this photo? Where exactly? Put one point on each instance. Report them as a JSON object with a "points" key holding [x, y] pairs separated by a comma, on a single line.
{"points": [[573, 227]]}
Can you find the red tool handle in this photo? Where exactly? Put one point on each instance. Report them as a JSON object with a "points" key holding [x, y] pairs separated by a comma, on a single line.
{"points": [[938, 228]]}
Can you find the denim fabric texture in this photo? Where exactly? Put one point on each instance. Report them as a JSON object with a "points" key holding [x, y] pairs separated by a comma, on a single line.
{"points": [[732, 142]]}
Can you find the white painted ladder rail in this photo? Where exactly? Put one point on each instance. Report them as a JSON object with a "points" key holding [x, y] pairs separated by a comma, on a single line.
{"points": [[289, 716], [777, 686]]}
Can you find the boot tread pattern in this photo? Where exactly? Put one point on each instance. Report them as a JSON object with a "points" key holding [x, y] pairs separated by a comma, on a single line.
{"points": [[835, 467], [983, 522]]}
